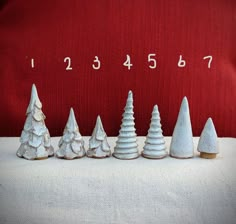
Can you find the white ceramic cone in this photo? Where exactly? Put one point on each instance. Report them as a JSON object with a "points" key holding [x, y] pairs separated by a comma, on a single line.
{"points": [[71, 144], [71, 124], [98, 145], [208, 144], [154, 147], [34, 100], [126, 145], [182, 139], [35, 137]]}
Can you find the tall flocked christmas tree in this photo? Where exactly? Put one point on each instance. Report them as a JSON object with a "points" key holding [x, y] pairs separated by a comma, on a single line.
{"points": [[98, 145], [71, 144], [126, 145], [35, 137], [155, 144]]}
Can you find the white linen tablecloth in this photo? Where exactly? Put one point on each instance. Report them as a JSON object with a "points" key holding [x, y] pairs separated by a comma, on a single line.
{"points": [[118, 191]]}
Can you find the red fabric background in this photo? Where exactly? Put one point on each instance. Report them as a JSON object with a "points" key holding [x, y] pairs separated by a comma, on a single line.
{"points": [[48, 31]]}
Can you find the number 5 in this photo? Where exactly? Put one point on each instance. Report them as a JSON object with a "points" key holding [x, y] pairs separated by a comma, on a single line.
{"points": [[153, 60]]}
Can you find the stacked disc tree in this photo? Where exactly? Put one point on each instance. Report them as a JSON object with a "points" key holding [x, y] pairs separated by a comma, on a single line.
{"points": [[126, 145], [154, 147], [35, 137]]}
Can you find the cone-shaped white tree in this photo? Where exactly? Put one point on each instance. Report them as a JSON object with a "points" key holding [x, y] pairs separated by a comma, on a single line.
{"points": [[98, 145], [182, 139], [154, 147], [71, 144], [126, 145], [35, 137], [208, 144]]}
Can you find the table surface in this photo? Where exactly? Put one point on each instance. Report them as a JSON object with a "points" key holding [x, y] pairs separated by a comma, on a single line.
{"points": [[109, 190]]}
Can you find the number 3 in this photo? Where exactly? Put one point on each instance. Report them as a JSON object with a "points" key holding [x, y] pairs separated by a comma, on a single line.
{"points": [[68, 60], [96, 60], [154, 62]]}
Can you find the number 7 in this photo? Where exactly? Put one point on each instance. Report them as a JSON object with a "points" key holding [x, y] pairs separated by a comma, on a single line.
{"points": [[210, 60]]}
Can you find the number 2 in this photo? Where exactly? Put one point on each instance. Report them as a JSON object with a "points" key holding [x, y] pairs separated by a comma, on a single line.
{"points": [[128, 62], [68, 61]]}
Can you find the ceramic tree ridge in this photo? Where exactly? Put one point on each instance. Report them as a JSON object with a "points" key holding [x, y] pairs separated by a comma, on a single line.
{"points": [[126, 145], [154, 147]]}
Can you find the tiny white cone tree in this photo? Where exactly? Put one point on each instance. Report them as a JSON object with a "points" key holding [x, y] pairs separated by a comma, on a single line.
{"points": [[71, 144], [208, 144], [126, 145], [154, 147], [98, 145], [182, 139], [35, 137]]}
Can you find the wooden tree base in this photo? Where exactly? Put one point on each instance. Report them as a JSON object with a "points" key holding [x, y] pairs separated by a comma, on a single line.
{"points": [[207, 155]]}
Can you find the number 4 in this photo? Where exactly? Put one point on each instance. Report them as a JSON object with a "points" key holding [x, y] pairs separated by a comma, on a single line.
{"points": [[128, 62]]}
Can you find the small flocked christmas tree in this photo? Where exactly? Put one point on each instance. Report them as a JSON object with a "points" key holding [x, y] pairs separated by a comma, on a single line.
{"points": [[98, 145], [35, 137], [71, 144], [126, 145], [155, 144]]}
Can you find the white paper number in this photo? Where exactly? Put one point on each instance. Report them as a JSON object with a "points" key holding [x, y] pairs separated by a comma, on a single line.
{"points": [[210, 60], [97, 61], [128, 62], [181, 62], [32, 63], [152, 60], [68, 61]]}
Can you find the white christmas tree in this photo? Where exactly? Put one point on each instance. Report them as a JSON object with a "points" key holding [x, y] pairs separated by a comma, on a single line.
{"points": [[208, 144], [126, 145], [154, 147], [71, 144], [35, 137], [98, 145], [182, 139]]}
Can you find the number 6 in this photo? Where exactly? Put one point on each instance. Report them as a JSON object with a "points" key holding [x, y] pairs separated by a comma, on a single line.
{"points": [[150, 59]]}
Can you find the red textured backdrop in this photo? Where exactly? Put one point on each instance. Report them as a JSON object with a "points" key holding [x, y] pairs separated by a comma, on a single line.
{"points": [[48, 31]]}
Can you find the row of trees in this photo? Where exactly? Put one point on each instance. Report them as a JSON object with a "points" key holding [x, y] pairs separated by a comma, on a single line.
{"points": [[35, 137]]}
